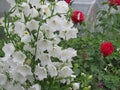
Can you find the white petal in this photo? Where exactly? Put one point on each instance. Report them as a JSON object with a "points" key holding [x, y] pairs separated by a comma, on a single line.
{"points": [[19, 57], [3, 79], [71, 33], [35, 87], [27, 47], [2, 21], [26, 38], [61, 7], [18, 77], [67, 54], [8, 49], [19, 28], [44, 44], [33, 25], [52, 70], [65, 72], [12, 2], [35, 3], [16, 87], [41, 72], [45, 59], [76, 86], [34, 13], [55, 51], [26, 9], [25, 70]]}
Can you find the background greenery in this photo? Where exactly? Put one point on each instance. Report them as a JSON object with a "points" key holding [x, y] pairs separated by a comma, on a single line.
{"points": [[94, 72], [105, 72]]}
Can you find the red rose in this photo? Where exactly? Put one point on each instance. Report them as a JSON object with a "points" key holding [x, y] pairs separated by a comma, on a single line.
{"points": [[77, 16], [106, 48], [68, 1], [114, 2]]}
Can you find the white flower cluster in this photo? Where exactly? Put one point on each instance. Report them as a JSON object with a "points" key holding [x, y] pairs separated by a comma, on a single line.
{"points": [[41, 26]]}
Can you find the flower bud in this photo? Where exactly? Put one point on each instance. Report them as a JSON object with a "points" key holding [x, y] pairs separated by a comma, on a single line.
{"points": [[90, 77], [76, 86], [83, 74], [27, 61], [87, 88]]}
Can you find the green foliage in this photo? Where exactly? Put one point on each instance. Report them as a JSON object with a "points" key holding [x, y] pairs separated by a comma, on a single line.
{"points": [[90, 60], [89, 65], [1, 45]]}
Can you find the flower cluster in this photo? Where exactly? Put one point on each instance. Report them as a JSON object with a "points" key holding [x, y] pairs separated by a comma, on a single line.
{"points": [[32, 52]]}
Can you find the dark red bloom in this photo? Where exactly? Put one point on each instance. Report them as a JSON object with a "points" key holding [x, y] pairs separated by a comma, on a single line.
{"points": [[77, 16], [100, 85], [106, 48], [68, 1], [114, 2]]}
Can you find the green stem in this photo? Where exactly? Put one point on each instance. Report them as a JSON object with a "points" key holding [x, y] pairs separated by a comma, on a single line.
{"points": [[6, 28], [107, 15], [37, 40]]}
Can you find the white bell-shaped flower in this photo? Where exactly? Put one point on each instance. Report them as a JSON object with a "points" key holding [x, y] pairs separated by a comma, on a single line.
{"points": [[18, 77], [44, 59], [44, 44], [35, 87], [16, 87], [52, 70], [26, 37], [61, 7], [34, 3], [34, 13], [55, 51], [25, 70], [41, 72], [71, 33], [45, 10], [19, 28], [2, 21], [33, 25], [65, 72], [26, 9], [19, 57], [8, 49], [54, 24], [27, 47], [3, 79], [67, 54]]}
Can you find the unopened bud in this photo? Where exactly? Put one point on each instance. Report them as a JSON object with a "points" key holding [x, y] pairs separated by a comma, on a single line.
{"points": [[76, 86], [83, 74], [27, 61], [90, 77]]}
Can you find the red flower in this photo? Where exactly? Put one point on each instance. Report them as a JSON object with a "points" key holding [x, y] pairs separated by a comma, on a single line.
{"points": [[77, 16], [106, 48], [68, 1], [114, 2]]}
